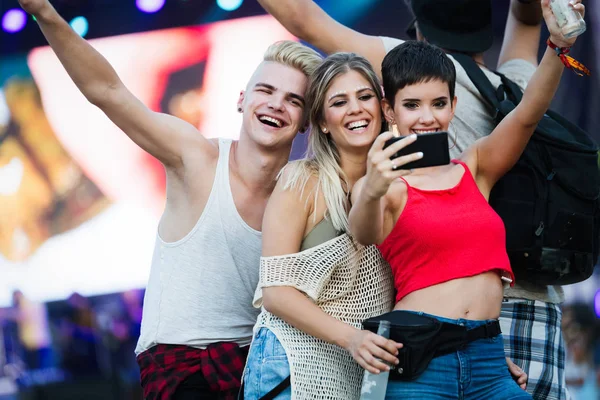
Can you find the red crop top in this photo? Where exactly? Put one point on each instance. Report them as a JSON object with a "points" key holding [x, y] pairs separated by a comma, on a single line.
{"points": [[443, 235]]}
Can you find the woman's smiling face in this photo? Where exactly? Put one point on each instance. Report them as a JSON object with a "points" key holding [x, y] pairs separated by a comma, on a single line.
{"points": [[422, 107], [352, 112]]}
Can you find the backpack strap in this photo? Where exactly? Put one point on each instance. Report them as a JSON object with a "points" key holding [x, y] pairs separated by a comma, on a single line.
{"points": [[579, 137], [512, 90], [481, 82]]}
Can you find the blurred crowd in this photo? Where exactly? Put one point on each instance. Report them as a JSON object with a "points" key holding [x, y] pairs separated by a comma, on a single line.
{"points": [[95, 337], [80, 338], [581, 329]]}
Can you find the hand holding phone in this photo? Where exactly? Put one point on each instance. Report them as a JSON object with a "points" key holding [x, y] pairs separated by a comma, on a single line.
{"points": [[433, 145], [382, 170]]}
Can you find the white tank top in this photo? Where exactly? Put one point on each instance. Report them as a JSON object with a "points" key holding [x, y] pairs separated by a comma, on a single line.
{"points": [[201, 287]]}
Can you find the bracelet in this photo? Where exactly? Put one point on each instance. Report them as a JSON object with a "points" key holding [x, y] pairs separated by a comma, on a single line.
{"points": [[568, 61]]}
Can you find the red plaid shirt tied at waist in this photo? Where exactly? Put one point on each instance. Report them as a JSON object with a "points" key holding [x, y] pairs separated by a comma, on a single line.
{"points": [[164, 367]]}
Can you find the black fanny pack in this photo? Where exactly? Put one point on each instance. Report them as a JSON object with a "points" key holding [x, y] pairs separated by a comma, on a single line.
{"points": [[425, 338]]}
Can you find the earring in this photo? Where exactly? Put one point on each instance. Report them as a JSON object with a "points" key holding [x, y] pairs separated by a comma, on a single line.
{"points": [[394, 129], [239, 109], [324, 130]]}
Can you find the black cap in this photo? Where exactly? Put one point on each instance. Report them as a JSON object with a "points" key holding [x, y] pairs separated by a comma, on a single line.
{"points": [[458, 25]]}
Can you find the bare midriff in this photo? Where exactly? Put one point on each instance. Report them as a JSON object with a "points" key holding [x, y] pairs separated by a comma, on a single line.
{"points": [[476, 298]]}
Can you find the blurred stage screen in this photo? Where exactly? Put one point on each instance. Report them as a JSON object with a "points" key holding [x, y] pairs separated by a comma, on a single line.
{"points": [[79, 202]]}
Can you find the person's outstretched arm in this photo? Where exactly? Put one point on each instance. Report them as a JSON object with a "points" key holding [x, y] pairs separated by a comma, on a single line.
{"points": [[306, 20], [165, 137], [494, 155], [522, 32]]}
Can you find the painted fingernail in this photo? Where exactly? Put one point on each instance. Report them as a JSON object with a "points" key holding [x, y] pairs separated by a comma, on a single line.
{"points": [[413, 136], [420, 154]]}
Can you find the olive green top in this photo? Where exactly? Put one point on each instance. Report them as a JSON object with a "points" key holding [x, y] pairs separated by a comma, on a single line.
{"points": [[321, 233]]}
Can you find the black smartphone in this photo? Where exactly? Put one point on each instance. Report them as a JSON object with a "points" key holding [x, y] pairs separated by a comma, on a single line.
{"points": [[433, 145]]}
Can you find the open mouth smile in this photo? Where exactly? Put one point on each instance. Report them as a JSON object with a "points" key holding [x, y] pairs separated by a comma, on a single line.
{"points": [[271, 121]]}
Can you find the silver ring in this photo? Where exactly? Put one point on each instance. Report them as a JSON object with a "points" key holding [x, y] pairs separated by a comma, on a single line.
{"points": [[394, 166]]}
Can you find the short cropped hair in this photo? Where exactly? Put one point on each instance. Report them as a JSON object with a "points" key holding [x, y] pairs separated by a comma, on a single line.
{"points": [[415, 62], [294, 55]]}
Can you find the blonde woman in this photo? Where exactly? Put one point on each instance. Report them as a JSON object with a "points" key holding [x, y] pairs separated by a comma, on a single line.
{"points": [[316, 284]]}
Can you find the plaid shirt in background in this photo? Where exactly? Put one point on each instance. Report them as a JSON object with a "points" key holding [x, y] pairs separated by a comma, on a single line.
{"points": [[164, 367], [533, 340]]}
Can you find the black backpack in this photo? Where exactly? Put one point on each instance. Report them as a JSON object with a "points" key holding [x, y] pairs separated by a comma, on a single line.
{"points": [[549, 201]]}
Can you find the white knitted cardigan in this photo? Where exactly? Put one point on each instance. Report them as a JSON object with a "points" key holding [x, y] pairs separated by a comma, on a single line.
{"points": [[346, 280]]}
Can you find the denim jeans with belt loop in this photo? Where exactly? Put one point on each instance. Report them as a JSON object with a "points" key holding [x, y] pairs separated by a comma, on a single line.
{"points": [[477, 371]]}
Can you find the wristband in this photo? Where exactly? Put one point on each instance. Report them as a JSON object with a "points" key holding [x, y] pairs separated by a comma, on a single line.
{"points": [[568, 61]]}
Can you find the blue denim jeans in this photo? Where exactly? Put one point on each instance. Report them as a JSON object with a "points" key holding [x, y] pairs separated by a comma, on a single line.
{"points": [[266, 367], [476, 372]]}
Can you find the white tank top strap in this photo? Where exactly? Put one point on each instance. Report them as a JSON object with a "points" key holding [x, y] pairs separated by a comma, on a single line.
{"points": [[224, 150]]}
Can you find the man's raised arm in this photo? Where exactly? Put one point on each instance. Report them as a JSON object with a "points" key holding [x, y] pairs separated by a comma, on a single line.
{"points": [[306, 20], [163, 136]]}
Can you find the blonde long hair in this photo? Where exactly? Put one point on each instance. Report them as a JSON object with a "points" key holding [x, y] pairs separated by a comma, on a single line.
{"points": [[322, 157]]}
